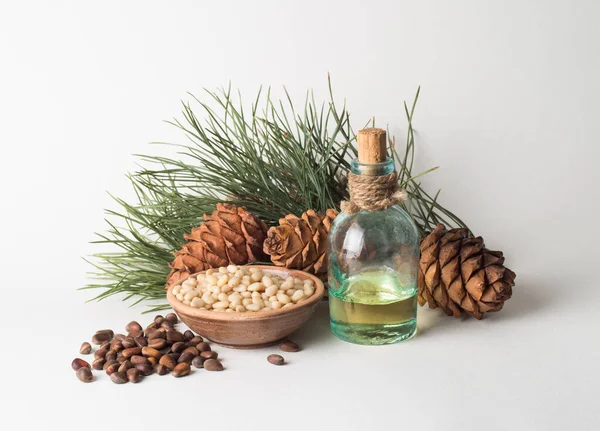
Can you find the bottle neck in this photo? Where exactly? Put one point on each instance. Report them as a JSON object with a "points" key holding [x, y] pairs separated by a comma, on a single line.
{"points": [[372, 169]]}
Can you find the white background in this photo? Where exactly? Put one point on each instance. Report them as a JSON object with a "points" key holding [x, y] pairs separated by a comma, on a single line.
{"points": [[509, 110]]}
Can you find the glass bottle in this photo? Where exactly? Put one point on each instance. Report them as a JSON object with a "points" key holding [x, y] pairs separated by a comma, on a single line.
{"points": [[373, 259]]}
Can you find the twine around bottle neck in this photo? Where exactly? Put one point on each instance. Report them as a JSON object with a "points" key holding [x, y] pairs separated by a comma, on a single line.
{"points": [[373, 193]]}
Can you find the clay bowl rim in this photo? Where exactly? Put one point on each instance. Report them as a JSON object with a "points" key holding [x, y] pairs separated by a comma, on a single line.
{"points": [[188, 310]]}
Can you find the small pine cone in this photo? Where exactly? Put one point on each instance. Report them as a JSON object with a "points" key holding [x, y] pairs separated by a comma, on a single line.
{"points": [[459, 275], [231, 234], [301, 242]]}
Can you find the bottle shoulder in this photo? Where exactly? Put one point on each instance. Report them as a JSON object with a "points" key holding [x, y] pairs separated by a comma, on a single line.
{"points": [[389, 226], [394, 214]]}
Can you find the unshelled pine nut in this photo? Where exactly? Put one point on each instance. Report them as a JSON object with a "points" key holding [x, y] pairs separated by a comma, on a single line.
{"points": [[289, 346], [213, 365], [133, 375], [182, 369], [119, 378], [86, 348], [275, 359], [85, 375], [79, 363]]}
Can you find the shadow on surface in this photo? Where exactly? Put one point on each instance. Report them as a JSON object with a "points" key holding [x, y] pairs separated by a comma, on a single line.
{"points": [[530, 296], [316, 330]]}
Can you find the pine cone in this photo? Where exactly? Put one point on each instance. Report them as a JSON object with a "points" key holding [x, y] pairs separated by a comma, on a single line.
{"points": [[301, 242], [231, 234], [459, 275]]}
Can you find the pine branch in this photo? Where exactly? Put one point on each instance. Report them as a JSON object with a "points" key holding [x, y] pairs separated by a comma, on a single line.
{"points": [[274, 161]]}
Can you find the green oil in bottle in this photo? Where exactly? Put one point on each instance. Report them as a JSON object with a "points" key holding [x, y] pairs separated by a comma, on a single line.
{"points": [[375, 306]]}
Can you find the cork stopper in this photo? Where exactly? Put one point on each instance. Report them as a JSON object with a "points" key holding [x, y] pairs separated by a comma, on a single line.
{"points": [[372, 145]]}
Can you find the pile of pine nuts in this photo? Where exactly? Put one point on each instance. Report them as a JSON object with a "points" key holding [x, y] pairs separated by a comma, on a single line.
{"points": [[159, 348], [241, 289]]}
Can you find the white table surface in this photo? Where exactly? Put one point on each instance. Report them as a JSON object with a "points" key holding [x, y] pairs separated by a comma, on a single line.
{"points": [[533, 366]]}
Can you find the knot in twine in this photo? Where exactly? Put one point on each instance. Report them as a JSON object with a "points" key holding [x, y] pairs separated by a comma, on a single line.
{"points": [[372, 193]]}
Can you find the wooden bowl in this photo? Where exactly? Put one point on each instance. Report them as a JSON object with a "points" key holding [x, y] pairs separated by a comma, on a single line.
{"points": [[250, 330]]}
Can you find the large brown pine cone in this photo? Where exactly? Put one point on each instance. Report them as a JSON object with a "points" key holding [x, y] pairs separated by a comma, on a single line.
{"points": [[231, 234], [301, 242], [459, 275]]}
